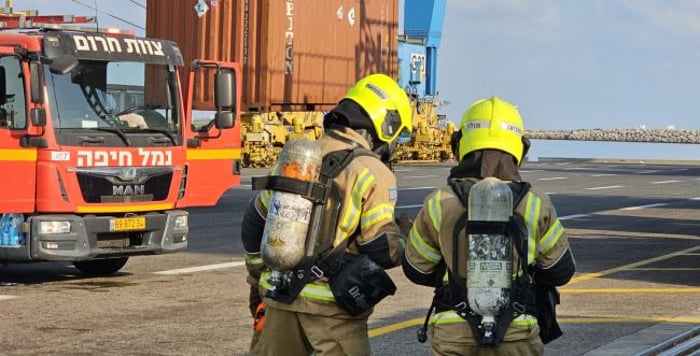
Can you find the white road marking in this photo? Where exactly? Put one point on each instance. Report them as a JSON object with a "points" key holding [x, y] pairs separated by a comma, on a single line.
{"points": [[664, 182], [532, 171], [645, 172], [605, 187], [696, 198], [654, 205], [604, 175], [7, 297], [574, 169], [426, 176], [679, 169], [551, 178], [409, 206], [417, 188], [202, 268], [574, 216]]}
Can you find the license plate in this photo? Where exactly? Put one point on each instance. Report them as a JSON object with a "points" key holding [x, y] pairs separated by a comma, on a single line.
{"points": [[126, 224]]}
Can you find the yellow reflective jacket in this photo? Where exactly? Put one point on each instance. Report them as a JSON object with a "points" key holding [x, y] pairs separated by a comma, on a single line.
{"points": [[431, 242], [368, 190]]}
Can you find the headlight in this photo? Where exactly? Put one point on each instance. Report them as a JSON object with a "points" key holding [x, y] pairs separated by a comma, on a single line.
{"points": [[54, 227], [181, 222]]}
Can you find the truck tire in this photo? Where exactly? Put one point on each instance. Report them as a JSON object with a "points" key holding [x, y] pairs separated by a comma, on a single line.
{"points": [[105, 266]]}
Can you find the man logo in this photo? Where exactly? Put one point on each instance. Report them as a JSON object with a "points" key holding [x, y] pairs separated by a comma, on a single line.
{"points": [[128, 189]]}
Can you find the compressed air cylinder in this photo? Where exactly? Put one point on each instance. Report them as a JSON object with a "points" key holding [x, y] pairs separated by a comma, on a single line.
{"points": [[489, 261], [288, 215]]}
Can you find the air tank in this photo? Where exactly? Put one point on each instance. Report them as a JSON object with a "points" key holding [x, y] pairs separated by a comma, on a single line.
{"points": [[489, 261], [288, 215]]}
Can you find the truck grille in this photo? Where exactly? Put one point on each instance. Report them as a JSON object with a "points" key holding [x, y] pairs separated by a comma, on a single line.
{"points": [[122, 185]]}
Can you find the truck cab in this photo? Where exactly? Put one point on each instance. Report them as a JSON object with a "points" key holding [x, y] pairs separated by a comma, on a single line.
{"points": [[98, 148]]}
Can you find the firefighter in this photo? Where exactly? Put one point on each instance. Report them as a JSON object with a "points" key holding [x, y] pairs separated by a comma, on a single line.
{"points": [[489, 143], [316, 319]]}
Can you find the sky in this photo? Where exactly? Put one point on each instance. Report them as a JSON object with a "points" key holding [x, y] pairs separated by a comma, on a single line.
{"points": [[566, 64]]}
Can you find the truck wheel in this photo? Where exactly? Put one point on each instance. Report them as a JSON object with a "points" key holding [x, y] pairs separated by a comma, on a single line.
{"points": [[104, 266]]}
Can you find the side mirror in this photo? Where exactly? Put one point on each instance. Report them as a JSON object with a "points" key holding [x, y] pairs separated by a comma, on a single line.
{"points": [[224, 120], [3, 86], [36, 82], [225, 90], [38, 116], [63, 64]]}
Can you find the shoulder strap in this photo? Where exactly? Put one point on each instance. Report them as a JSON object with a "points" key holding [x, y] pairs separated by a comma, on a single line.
{"points": [[513, 228], [333, 163], [327, 261]]}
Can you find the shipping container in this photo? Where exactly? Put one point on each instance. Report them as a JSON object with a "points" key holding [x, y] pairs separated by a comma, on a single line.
{"points": [[295, 54]]}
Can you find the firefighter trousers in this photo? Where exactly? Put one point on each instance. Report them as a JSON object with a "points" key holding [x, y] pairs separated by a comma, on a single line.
{"points": [[450, 339], [299, 334]]}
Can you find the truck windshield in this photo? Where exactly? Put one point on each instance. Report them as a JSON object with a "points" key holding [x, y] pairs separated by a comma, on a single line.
{"points": [[128, 96]]}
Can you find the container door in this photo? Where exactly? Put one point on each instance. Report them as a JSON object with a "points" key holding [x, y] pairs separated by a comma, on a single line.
{"points": [[213, 154], [17, 163]]}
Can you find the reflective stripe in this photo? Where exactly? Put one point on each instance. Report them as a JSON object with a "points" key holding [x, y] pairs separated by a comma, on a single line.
{"points": [[550, 238], [426, 251], [446, 317], [351, 213], [311, 290], [317, 291], [18, 154], [532, 217], [435, 211], [376, 214], [524, 320], [451, 317], [265, 197], [253, 259]]}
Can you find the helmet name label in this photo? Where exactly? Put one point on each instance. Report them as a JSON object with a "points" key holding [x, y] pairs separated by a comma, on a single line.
{"points": [[376, 90], [473, 125]]}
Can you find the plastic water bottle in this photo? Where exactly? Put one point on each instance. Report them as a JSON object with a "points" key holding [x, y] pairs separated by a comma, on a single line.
{"points": [[5, 230], [14, 220], [17, 227]]}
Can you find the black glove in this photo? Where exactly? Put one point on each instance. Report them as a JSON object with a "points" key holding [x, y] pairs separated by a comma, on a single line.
{"points": [[253, 300], [405, 224], [547, 300]]}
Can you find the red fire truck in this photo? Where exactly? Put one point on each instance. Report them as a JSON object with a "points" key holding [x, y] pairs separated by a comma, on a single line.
{"points": [[98, 149]]}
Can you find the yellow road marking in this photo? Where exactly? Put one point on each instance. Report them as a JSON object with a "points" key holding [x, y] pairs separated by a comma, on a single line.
{"points": [[394, 327], [628, 290], [562, 320], [586, 277]]}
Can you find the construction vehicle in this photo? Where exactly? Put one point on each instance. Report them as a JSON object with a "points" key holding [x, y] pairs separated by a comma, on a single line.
{"points": [[418, 50], [264, 134], [98, 147]]}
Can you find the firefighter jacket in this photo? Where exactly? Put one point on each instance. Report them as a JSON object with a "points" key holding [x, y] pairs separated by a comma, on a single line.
{"points": [[368, 190], [429, 249]]}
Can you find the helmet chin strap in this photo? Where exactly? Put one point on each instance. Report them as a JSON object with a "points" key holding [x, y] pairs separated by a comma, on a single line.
{"points": [[382, 149]]}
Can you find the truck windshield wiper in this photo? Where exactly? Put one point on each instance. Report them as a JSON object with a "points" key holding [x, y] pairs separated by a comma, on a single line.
{"points": [[117, 132], [148, 129]]}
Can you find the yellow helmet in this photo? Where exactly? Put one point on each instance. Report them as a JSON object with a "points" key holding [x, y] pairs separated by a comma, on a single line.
{"points": [[385, 103], [492, 124]]}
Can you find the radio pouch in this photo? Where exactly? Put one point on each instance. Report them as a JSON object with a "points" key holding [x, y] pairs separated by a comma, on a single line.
{"points": [[360, 285]]}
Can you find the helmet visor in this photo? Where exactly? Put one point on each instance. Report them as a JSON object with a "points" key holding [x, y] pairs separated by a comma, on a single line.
{"points": [[391, 124]]}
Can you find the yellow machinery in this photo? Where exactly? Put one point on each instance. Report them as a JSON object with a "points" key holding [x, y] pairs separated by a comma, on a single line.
{"points": [[431, 135], [264, 134]]}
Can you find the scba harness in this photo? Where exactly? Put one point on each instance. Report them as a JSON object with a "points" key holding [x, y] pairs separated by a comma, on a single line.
{"points": [[357, 283], [453, 295]]}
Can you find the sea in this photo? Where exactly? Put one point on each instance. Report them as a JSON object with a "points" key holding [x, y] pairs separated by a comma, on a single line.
{"points": [[614, 150]]}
